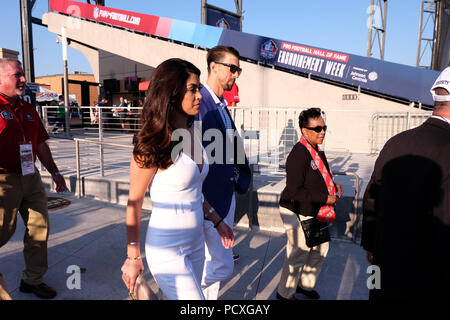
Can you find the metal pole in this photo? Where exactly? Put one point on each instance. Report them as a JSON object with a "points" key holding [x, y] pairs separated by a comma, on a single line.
{"points": [[203, 12], [419, 37], [27, 40], [100, 139], [369, 41], [66, 80], [238, 4], [383, 37], [408, 120], [437, 35], [77, 156]]}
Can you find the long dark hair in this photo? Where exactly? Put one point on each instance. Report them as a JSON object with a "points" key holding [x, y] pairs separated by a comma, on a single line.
{"points": [[152, 144]]}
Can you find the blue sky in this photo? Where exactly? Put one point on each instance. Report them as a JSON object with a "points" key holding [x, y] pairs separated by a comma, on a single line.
{"points": [[329, 24]]}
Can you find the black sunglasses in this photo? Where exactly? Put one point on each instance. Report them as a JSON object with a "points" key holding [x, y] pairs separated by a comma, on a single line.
{"points": [[232, 67], [318, 128]]}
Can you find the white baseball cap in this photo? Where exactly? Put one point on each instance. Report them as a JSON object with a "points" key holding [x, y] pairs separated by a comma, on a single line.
{"points": [[443, 81]]}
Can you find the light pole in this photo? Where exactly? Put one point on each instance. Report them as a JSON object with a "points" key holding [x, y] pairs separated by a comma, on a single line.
{"points": [[27, 38], [66, 80]]}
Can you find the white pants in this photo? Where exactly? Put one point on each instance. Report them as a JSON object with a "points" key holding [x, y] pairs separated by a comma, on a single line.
{"points": [[178, 270], [302, 265], [219, 263], [175, 252]]}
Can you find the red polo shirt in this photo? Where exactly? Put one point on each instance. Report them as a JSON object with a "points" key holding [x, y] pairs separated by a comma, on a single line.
{"points": [[232, 95], [15, 123]]}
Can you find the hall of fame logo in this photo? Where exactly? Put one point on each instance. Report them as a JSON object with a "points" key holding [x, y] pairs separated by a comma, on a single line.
{"points": [[269, 50], [222, 23]]}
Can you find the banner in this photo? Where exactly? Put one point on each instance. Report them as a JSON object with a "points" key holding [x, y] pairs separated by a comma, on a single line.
{"points": [[387, 78], [126, 19], [391, 79], [221, 19]]}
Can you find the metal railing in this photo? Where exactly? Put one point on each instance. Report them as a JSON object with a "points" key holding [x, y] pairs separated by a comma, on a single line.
{"points": [[357, 223], [79, 178], [101, 145], [386, 125], [91, 118], [268, 133]]}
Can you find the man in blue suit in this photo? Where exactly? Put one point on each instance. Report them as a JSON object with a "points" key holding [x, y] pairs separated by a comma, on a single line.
{"points": [[228, 171]]}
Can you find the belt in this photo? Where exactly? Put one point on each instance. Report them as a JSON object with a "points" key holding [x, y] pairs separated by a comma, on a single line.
{"points": [[6, 171]]}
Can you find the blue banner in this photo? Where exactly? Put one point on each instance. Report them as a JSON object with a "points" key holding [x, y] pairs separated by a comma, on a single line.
{"points": [[392, 79], [221, 19]]}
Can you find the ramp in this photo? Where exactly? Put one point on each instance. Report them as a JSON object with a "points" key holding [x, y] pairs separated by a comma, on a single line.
{"points": [[159, 38]]}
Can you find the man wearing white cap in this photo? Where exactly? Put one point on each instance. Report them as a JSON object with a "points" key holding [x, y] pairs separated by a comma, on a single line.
{"points": [[406, 209]]}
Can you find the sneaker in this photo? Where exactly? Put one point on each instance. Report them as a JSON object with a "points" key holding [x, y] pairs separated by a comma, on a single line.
{"points": [[312, 294], [42, 290], [235, 257]]}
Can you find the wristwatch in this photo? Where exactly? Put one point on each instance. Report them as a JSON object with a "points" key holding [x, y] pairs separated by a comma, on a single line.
{"points": [[56, 174]]}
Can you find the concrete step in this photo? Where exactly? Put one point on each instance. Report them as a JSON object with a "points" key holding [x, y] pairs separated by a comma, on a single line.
{"points": [[258, 209]]}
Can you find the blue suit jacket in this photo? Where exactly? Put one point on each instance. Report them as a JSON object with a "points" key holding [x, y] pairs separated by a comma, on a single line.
{"points": [[220, 183]]}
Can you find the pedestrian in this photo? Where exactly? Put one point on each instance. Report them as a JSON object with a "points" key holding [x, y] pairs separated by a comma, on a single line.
{"points": [[406, 208], [102, 108], [232, 96], [174, 244], [226, 174], [23, 138], [60, 115], [232, 99], [309, 192], [121, 112]]}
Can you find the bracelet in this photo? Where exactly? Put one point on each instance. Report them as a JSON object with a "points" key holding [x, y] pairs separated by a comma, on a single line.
{"points": [[211, 210], [133, 243], [218, 222], [134, 259]]}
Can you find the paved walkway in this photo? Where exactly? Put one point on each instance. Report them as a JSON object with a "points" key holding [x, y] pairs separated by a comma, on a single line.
{"points": [[90, 234]]}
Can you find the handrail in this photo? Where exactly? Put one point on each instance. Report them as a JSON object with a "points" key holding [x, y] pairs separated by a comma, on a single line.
{"points": [[339, 173], [357, 183], [77, 156]]}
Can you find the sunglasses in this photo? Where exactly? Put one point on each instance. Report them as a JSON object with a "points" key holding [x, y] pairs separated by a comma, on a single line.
{"points": [[318, 129], [232, 67]]}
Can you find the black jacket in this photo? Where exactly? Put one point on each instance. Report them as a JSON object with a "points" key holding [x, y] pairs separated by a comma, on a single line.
{"points": [[406, 213], [305, 190]]}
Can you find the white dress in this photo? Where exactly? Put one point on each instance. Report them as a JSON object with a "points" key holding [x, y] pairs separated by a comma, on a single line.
{"points": [[174, 243]]}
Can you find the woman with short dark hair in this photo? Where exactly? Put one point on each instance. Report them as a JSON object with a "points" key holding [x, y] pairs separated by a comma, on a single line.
{"points": [[174, 244], [309, 192]]}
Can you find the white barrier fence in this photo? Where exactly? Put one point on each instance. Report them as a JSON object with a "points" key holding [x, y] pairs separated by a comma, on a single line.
{"points": [[386, 125], [268, 133]]}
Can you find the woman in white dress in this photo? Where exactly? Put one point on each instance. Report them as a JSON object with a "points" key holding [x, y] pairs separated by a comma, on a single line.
{"points": [[174, 245]]}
